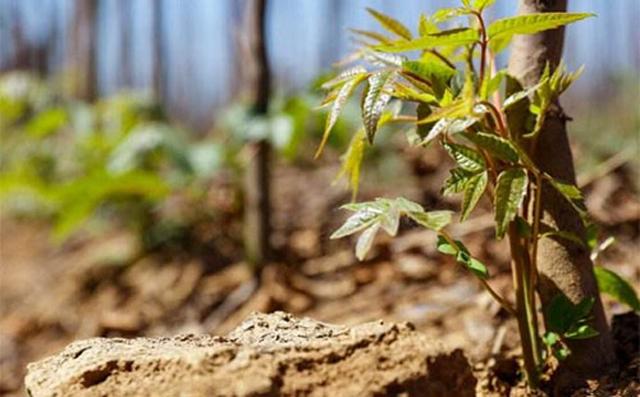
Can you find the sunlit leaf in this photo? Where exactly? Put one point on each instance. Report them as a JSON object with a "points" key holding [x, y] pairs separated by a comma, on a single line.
{"points": [[376, 98], [365, 241], [357, 222], [456, 109], [453, 37], [510, 190], [344, 76], [434, 220], [473, 191], [504, 29], [352, 161], [391, 24], [457, 180], [467, 158], [380, 38], [497, 146], [482, 4], [345, 92], [429, 70], [520, 95]]}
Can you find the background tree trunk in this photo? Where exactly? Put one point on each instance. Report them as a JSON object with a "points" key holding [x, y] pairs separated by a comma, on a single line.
{"points": [[83, 50], [563, 266], [257, 226], [158, 74]]}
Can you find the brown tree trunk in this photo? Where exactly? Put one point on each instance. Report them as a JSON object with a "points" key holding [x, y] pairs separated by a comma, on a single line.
{"points": [[83, 49], [257, 77], [563, 266]]}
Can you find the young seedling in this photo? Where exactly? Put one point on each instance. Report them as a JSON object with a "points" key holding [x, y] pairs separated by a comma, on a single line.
{"points": [[487, 130]]}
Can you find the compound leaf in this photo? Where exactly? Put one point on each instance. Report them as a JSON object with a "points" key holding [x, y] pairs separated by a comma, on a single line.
{"points": [[391, 24], [343, 94], [375, 99], [467, 158], [473, 191], [452, 38], [497, 146], [505, 28], [509, 194]]}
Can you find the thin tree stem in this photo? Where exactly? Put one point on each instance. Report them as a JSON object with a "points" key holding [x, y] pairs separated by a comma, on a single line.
{"points": [[501, 300]]}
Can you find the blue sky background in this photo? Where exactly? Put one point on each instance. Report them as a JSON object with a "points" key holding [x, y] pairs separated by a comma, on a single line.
{"points": [[303, 39]]}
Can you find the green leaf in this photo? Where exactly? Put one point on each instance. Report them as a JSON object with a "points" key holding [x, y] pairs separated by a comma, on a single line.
{"points": [[562, 353], [559, 314], [474, 189], [463, 257], [47, 122], [550, 338], [391, 24], [456, 109], [531, 23], [456, 182], [567, 319], [365, 241], [509, 193], [380, 38], [489, 86], [444, 14], [352, 161], [446, 38], [478, 268], [361, 220], [618, 288], [583, 331], [520, 95], [425, 26], [467, 158], [383, 59], [497, 146], [406, 93], [565, 235], [444, 247], [343, 77], [345, 92], [434, 220], [482, 4], [571, 193], [429, 70], [375, 99], [523, 227]]}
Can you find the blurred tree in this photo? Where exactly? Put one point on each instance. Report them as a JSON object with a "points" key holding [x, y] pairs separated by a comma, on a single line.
{"points": [[82, 59], [564, 267], [125, 22], [158, 73], [257, 79]]}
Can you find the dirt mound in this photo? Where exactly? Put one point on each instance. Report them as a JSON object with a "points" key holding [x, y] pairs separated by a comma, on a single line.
{"points": [[267, 355]]}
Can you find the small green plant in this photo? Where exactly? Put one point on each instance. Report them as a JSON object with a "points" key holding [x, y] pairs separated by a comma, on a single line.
{"points": [[73, 161], [489, 125]]}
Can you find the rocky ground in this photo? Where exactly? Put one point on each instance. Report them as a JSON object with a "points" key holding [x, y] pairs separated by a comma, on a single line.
{"points": [[53, 295]]}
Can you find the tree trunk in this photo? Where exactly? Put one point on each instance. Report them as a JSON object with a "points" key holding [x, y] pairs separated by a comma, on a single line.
{"points": [[83, 49], [158, 71], [257, 226], [124, 22], [563, 266]]}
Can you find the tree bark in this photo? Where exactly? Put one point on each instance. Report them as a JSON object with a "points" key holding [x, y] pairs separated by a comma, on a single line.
{"points": [[257, 227], [83, 49], [563, 266]]}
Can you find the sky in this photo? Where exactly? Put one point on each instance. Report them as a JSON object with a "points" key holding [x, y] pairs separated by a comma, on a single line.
{"points": [[304, 38]]}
